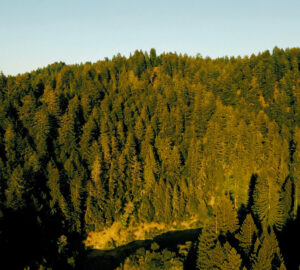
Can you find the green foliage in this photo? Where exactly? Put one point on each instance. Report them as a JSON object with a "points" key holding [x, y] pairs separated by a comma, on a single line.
{"points": [[159, 138], [153, 259], [146, 210], [16, 189], [266, 203], [268, 255], [233, 260], [295, 170], [213, 255], [247, 234], [207, 242], [226, 217]]}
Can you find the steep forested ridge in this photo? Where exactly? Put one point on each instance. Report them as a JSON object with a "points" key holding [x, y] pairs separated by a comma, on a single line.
{"points": [[153, 138]]}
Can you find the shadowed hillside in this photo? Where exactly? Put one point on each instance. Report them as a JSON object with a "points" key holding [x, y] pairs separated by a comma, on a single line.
{"points": [[111, 259]]}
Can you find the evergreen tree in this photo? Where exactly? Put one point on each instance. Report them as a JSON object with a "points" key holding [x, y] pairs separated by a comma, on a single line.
{"points": [[16, 189], [247, 234], [42, 131], [266, 203], [51, 100], [54, 185], [207, 242], [150, 169], [295, 170], [146, 210], [268, 256], [226, 217], [170, 139], [233, 259]]}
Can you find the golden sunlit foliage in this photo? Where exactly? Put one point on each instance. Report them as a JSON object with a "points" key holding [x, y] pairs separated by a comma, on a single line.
{"points": [[153, 138]]}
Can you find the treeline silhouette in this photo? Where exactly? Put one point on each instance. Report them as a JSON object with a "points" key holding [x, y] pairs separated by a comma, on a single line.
{"points": [[161, 138]]}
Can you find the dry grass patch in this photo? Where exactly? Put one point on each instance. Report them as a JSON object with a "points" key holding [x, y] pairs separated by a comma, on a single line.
{"points": [[117, 235]]}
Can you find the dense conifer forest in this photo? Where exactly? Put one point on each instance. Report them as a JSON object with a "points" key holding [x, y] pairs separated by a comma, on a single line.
{"points": [[153, 138]]}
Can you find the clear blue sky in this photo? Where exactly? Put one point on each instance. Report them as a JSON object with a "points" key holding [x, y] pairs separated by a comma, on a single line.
{"points": [[35, 33]]}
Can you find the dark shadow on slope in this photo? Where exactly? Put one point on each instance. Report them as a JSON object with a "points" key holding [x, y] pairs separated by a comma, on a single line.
{"points": [[28, 238], [191, 259], [289, 238], [110, 259], [252, 184]]}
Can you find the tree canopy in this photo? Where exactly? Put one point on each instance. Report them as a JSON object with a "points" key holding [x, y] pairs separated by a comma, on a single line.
{"points": [[150, 137]]}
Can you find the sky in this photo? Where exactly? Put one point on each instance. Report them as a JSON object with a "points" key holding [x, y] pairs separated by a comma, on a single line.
{"points": [[35, 33]]}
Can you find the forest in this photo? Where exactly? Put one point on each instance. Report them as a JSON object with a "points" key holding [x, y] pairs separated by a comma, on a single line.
{"points": [[153, 138]]}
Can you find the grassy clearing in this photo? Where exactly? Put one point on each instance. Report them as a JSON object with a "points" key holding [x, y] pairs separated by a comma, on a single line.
{"points": [[117, 235]]}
